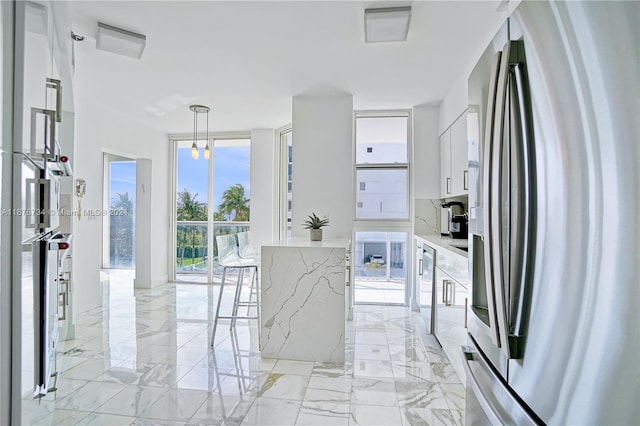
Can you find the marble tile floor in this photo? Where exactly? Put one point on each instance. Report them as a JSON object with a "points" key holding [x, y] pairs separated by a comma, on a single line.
{"points": [[143, 358]]}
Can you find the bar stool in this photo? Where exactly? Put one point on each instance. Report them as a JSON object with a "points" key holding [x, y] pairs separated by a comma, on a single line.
{"points": [[245, 251], [228, 258]]}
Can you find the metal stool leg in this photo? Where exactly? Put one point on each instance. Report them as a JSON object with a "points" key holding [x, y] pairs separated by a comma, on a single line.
{"points": [[258, 306], [215, 321], [236, 299], [254, 277]]}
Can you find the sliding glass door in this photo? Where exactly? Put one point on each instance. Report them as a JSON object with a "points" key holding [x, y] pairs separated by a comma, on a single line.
{"points": [[382, 206], [211, 198]]}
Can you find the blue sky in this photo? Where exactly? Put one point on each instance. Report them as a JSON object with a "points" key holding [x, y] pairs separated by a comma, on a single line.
{"points": [[231, 167], [123, 178]]}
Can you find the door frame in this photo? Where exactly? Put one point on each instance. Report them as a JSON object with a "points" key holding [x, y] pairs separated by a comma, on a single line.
{"points": [[174, 140], [107, 158]]}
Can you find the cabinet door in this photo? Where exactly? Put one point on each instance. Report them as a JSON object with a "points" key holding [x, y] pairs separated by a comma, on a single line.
{"points": [[459, 157], [451, 317], [445, 164]]}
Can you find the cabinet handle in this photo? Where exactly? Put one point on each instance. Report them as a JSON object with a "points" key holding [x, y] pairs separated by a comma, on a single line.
{"points": [[452, 293], [465, 180], [64, 305], [466, 313], [448, 185], [420, 267], [52, 83], [447, 292]]}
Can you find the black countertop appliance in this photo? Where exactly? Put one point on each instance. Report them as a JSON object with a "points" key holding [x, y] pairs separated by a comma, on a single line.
{"points": [[457, 219]]}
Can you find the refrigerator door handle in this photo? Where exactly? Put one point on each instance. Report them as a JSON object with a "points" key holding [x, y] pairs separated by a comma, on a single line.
{"points": [[497, 400], [487, 194], [528, 201], [522, 173], [497, 180]]}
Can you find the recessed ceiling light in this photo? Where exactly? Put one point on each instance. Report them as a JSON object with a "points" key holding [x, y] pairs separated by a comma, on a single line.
{"points": [[123, 42], [386, 24]]}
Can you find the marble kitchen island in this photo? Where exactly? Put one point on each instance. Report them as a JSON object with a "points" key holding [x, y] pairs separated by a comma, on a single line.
{"points": [[303, 299]]}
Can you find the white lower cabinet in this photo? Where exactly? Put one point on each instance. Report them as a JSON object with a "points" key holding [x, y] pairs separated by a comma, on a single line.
{"points": [[452, 296]]}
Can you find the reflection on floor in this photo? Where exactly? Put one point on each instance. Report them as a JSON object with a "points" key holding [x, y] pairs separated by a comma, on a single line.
{"points": [[144, 358], [379, 291]]}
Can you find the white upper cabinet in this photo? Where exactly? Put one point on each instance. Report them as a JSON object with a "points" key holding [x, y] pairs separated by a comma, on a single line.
{"points": [[454, 164], [459, 160]]}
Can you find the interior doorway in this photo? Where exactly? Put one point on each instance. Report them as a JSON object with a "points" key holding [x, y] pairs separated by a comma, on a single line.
{"points": [[380, 267], [119, 217]]}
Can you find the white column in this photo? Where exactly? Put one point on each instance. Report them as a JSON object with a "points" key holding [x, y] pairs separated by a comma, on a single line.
{"points": [[264, 205], [143, 224], [322, 162]]}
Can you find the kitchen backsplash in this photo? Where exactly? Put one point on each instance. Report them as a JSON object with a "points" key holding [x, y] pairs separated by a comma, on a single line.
{"points": [[427, 220]]}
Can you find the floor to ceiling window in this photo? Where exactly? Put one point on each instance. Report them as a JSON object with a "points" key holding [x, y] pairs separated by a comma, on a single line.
{"points": [[119, 250], [211, 198], [285, 180], [382, 225]]}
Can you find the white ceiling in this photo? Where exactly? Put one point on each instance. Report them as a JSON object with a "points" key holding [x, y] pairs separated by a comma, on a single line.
{"points": [[248, 59]]}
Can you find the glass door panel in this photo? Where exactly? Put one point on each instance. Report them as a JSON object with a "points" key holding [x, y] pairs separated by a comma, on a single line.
{"points": [[122, 216], [231, 190], [192, 194]]}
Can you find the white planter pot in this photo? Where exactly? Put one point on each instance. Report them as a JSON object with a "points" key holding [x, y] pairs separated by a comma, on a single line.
{"points": [[316, 234]]}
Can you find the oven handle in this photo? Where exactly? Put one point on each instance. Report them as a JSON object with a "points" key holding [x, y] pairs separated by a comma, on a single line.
{"points": [[55, 84]]}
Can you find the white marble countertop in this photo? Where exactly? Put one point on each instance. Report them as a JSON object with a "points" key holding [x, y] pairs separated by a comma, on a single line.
{"points": [[447, 243], [306, 242]]}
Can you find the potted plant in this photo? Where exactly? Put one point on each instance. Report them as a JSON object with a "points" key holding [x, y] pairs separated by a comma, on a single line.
{"points": [[315, 224]]}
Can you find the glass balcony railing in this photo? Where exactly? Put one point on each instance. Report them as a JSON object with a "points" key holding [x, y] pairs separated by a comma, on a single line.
{"points": [[192, 254]]}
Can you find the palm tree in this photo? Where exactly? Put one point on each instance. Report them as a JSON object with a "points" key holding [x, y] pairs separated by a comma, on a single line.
{"points": [[190, 209], [234, 201], [218, 216]]}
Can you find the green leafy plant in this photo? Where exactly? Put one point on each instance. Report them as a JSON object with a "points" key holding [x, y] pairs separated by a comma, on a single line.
{"points": [[314, 222]]}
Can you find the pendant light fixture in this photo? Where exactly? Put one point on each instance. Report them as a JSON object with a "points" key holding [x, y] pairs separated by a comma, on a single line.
{"points": [[199, 109]]}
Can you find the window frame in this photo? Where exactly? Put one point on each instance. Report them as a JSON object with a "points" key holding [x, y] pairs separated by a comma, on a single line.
{"points": [[282, 169], [175, 140], [406, 113]]}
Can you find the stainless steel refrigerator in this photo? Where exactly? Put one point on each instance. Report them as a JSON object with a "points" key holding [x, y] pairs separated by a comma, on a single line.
{"points": [[6, 120], [31, 188], [554, 199]]}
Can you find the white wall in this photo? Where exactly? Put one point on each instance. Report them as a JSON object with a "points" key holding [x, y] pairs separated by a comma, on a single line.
{"points": [[99, 129], [322, 162], [454, 103], [426, 151], [144, 230], [264, 209]]}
